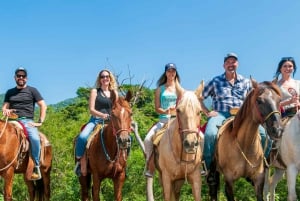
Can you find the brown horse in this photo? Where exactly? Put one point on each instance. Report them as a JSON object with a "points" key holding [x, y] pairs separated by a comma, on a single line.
{"points": [[239, 152], [179, 153], [108, 152], [15, 158]]}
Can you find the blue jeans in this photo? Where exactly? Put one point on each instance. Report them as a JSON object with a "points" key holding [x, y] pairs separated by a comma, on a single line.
{"points": [[84, 135], [34, 140], [211, 135]]}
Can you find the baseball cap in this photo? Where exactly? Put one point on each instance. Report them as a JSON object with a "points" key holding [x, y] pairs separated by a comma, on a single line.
{"points": [[21, 69], [230, 55], [169, 66]]}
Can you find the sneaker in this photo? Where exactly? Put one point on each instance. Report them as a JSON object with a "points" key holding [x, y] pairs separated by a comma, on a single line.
{"points": [[148, 174], [77, 169], [36, 174], [203, 173]]}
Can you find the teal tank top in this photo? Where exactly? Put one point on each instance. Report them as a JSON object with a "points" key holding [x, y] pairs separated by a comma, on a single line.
{"points": [[167, 99]]}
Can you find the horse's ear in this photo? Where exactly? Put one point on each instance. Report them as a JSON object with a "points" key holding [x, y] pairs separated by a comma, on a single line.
{"points": [[275, 80], [199, 90], [254, 82], [128, 96], [114, 96]]}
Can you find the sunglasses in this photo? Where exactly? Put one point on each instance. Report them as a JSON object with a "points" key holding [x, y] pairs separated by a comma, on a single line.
{"points": [[104, 76], [21, 76], [287, 59]]}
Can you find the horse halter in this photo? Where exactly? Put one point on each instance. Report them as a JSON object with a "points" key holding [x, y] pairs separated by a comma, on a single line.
{"points": [[263, 119], [118, 132]]}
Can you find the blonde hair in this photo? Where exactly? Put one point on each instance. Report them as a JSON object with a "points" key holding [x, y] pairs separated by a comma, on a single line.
{"points": [[112, 83]]}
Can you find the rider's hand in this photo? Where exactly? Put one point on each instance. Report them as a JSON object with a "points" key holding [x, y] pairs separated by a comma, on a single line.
{"points": [[212, 113], [8, 112]]}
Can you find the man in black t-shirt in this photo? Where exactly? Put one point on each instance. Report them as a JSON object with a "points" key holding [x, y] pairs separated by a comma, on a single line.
{"points": [[21, 100]]}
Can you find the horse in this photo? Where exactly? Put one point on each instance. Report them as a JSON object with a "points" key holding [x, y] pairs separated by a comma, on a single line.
{"points": [[108, 151], [238, 151], [287, 159], [15, 159], [179, 153]]}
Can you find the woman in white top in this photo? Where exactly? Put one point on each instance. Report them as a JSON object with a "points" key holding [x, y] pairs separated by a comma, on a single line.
{"points": [[290, 88]]}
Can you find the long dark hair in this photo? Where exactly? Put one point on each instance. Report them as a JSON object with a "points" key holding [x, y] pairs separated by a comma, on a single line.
{"points": [[282, 61]]}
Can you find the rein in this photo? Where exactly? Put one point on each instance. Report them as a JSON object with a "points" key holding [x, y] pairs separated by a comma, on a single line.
{"points": [[115, 133]]}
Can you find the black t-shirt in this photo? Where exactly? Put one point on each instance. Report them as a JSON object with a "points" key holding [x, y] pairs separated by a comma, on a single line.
{"points": [[23, 100]]}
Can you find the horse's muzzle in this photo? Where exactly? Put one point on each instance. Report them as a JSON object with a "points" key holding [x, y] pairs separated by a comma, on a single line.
{"points": [[191, 143], [124, 141], [275, 133]]}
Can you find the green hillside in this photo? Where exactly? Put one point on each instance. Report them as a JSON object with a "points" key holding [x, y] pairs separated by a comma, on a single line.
{"points": [[63, 123]]}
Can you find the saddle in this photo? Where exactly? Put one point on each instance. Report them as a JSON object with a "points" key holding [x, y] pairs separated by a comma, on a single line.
{"points": [[24, 148], [159, 133], [83, 160]]}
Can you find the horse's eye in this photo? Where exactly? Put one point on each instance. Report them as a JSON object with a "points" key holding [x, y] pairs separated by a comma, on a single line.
{"points": [[259, 101]]}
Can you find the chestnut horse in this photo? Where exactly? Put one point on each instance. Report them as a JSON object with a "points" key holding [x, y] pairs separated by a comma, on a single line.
{"points": [[108, 152], [14, 158], [239, 152], [178, 155], [286, 159]]}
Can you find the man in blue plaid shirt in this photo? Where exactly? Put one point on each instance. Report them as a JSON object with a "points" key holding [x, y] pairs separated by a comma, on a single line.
{"points": [[228, 91]]}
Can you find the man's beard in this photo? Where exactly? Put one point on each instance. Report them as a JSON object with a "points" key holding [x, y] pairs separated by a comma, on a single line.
{"points": [[20, 83]]}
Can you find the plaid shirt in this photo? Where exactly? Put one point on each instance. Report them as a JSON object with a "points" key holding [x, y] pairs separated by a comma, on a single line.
{"points": [[224, 95]]}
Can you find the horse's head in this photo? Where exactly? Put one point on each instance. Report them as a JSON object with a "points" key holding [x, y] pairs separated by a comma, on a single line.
{"points": [[267, 98], [188, 115], [121, 121]]}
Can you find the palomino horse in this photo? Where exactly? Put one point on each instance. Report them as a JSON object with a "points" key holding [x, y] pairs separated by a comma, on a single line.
{"points": [[178, 155], [289, 152], [14, 158], [239, 152], [108, 152]]}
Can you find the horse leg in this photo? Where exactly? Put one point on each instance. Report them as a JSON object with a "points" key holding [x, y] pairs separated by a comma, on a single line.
{"points": [[275, 178], [196, 182], [30, 187], [8, 183], [167, 186], [118, 185], [46, 184], [292, 172], [96, 187], [259, 186], [229, 190], [177, 187], [85, 182], [149, 182], [213, 178]]}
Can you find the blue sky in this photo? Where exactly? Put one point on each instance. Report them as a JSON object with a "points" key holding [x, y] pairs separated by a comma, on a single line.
{"points": [[65, 43]]}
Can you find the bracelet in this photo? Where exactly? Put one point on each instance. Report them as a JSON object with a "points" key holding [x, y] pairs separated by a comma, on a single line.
{"points": [[40, 121]]}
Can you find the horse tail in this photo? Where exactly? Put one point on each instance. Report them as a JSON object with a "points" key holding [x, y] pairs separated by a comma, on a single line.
{"points": [[39, 190]]}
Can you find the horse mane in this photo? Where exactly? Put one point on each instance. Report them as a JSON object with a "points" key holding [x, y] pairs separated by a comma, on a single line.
{"points": [[249, 102], [188, 98]]}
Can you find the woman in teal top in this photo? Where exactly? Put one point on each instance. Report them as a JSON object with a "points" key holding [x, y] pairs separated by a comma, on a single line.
{"points": [[166, 93]]}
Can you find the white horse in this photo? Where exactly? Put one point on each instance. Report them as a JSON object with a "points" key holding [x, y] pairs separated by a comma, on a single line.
{"points": [[289, 151]]}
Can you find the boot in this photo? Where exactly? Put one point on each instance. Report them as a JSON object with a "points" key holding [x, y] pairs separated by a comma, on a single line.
{"points": [[148, 152], [36, 174]]}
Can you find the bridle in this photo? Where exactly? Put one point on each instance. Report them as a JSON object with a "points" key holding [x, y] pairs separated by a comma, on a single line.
{"points": [[115, 133]]}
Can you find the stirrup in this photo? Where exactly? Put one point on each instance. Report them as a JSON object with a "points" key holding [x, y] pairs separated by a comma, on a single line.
{"points": [[77, 169], [36, 174], [204, 169]]}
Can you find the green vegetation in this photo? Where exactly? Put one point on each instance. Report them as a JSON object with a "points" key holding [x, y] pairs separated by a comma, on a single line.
{"points": [[63, 124]]}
